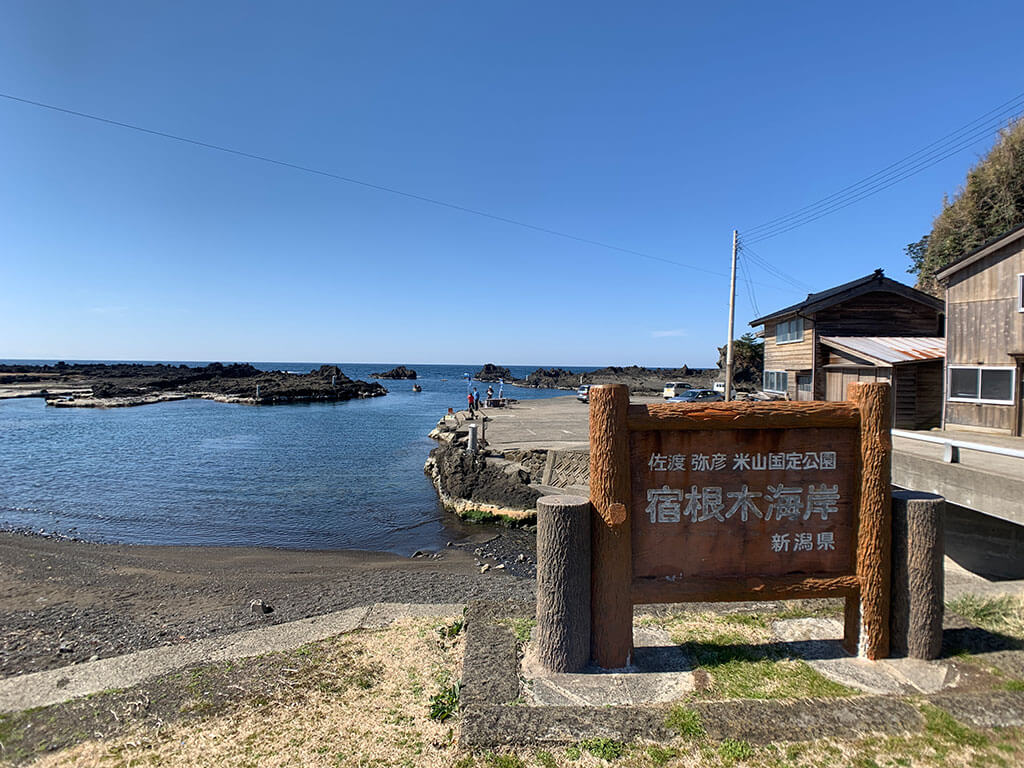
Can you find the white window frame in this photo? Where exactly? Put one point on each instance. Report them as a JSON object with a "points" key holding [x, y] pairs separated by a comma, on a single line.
{"points": [[1020, 292], [796, 340], [979, 368], [764, 381]]}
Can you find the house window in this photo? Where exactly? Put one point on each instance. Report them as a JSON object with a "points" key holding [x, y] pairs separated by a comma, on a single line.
{"points": [[776, 381], [789, 331], [981, 384], [1020, 292]]}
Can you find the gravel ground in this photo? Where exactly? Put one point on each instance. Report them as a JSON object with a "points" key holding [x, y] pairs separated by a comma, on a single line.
{"points": [[64, 602]]}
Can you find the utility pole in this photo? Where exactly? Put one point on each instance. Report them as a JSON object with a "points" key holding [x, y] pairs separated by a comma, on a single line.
{"points": [[732, 314]]}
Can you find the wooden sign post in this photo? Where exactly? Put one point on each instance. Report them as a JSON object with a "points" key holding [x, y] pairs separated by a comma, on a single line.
{"points": [[739, 501]]}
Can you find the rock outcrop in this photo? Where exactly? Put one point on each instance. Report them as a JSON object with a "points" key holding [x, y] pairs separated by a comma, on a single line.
{"points": [[491, 372], [469, 483], [639, 380], [401, 372], [105, 386]]}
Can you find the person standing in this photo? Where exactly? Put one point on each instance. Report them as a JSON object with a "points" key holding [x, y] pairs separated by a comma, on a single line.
{"points": [[476, 398], [469, 397]]}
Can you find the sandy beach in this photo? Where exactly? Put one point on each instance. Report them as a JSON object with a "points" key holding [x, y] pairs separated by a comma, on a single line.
{"points": [[64, 602]]}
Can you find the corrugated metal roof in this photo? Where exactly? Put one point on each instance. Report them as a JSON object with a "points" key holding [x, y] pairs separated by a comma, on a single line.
{"points": [[891, 350]]}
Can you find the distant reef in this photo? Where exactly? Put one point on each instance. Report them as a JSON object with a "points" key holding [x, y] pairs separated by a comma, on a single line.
{"points": [[126, 384], [492, 372], [640, 380], [401, 372]]}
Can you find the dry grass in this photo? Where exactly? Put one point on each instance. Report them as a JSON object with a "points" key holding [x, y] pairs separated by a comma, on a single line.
{"points": [[379, 720], [937, 747], [1003, 614], [363, 700]]}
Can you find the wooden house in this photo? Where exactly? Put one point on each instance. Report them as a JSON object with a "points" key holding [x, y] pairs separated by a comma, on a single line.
{"points": [[985, 337], [871, 329]]}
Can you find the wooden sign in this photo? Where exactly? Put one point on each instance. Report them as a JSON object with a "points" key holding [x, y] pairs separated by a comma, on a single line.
{"points": [[739, 501]]}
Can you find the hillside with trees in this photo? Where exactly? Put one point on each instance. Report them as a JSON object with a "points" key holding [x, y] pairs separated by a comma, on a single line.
{"points": [[989, 203]]}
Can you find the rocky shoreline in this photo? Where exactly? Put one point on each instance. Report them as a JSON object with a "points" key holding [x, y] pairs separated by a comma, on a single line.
{"points": [[640, 380], [128, 384]]}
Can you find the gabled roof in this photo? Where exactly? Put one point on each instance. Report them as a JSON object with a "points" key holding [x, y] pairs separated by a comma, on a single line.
{"points": [[890, 350], [980, 253], [876, 281]]}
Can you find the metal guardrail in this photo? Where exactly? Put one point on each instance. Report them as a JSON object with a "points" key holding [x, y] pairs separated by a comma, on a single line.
{"points": [[952, 448]]}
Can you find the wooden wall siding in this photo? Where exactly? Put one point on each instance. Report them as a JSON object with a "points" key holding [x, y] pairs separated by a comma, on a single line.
{"points": [[930, 392], [792, 357], [838, 380], [878, 314], [994, 417], [984, 324]]}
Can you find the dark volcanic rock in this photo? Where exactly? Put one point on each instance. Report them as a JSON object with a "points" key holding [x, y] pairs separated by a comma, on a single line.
{"points": [[492, 372], [553, 378], [401, 372], [639, 380], [131, 380], [464, 475]]}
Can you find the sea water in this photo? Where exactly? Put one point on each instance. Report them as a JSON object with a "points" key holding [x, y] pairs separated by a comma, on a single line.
{"points": [[303, 476]]}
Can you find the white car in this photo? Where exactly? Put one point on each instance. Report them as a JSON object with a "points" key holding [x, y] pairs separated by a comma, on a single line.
{"points": [[674, 389]]}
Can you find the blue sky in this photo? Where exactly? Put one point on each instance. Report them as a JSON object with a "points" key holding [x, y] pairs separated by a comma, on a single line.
{"points": [[656, 127]]}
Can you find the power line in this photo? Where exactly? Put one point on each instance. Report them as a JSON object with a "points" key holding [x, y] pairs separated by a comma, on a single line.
{"points": [[359, 182], [918, 161], [749, 283], [770, 268], [1003, 108], [839, 205]]}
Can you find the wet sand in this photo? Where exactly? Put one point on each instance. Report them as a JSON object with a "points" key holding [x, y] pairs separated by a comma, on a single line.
{"points": [[63, 602]]}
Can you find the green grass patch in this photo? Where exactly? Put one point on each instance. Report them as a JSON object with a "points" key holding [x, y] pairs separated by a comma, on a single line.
{"points": [[745, 678], [546, 759], [686, 723], [503, 760], [1014, 685], [521, 628], [941, 724], [661, 755], [445, 703], [483, 516], [1004, 614], [448, 631], [809, 609], [731, 751], [605, 749]]}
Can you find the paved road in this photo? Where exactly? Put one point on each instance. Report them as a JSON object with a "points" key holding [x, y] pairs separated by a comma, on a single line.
{"points": [[557, 423]]}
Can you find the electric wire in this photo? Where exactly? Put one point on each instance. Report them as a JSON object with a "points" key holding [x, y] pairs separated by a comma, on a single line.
{"points": [[911, 165], [840, 205], [745, 270], [770, 268], [362, 183], [1008, 106]]}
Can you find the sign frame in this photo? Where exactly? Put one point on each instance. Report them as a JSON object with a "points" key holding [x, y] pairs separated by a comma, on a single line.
{"points": [[614, 590]]}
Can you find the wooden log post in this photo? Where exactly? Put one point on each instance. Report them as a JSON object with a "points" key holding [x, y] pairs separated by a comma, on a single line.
{"points": [[611, 575], [917, 574], [874, 540], [563, 582]]}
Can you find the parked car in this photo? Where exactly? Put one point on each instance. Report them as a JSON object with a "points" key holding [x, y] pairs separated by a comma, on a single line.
{"points": [[697, 396], [719, 386], [674, 389], [583, 393]]}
